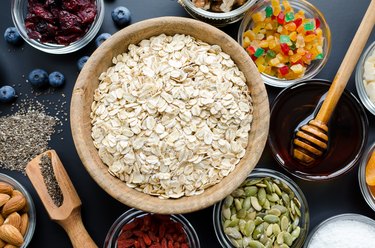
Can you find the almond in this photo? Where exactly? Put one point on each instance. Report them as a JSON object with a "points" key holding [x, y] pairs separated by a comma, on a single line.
{"points": [[6, 188], [10, 246], [24, 223], [11, 235], [3, 199], [16, 192], [1, 219], [14, 219], [14, 204], [2, 244]]}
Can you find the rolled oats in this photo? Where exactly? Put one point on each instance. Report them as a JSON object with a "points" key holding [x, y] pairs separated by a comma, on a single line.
{"points": [[172, 116]]}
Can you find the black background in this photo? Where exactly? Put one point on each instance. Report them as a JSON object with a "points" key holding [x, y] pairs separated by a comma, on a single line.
{"points": [[99, 210]]}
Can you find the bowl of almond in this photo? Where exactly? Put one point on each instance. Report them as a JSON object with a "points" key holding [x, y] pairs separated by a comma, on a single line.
{"points": [[17, 216], [169, 115]]}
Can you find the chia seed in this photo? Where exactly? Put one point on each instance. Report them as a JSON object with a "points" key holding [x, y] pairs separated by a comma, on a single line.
{"points": [[50, 181]]}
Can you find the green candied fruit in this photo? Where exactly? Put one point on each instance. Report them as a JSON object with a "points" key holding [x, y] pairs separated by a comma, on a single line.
{"points": [[259, 52], [309, 26], [284, 39], [289, 17], [319, 56], [269, 11], [271, 54]]}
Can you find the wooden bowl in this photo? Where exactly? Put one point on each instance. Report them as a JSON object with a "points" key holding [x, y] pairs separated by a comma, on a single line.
{"points": [[88, 81]]}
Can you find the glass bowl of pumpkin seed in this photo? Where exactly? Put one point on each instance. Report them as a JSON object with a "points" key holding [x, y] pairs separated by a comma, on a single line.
{"points": [[267, 210]]}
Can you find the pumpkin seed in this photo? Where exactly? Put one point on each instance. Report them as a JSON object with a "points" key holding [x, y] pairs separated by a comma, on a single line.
{"points": [[286, 199], [273, 197], [296, 232], [276, 229], [280, 238], [228, 201], [284, 223], [288, 239], [226, 213], [254, 181], [258, 231], [246, 204], [283, 246], [255, 244], [277, 189], [255, 203], [249, 228], [233, 232], [258, 220], [262, 196], [238, 193], [233, 223], [241, 214], [269, 230], [267, 204], [274, 211], [271, 218], [238, 204], [251, 190], [235, 243]]}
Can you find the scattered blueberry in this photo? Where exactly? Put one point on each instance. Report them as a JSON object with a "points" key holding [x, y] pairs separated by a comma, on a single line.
{"points": [[12, 36], [7, 93], [121, 16], [101, 38], [56, 79], [82, 61], [38, 78]]}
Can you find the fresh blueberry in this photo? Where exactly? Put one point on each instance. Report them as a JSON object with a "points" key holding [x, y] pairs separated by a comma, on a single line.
{"points": [[56, 79], [7, 93], [12, 36], [82, 61], [38, 78], [121, 16], [101, 38]]}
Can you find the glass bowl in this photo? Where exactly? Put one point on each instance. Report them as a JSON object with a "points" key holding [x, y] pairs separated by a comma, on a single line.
{"points": [[19, 12], [31, 213], [216, 19], [348, 130], [359, 80], [131, 214], [365, 189], [345, 233], [259, 173], [310, 12]]}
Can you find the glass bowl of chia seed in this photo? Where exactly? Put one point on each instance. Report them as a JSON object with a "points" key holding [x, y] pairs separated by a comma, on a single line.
{"points": [[267, 209], [58, 27], [27, 213]]}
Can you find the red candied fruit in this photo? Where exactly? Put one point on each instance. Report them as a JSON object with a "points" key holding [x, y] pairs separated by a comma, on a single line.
{"points": [[58, 21]]}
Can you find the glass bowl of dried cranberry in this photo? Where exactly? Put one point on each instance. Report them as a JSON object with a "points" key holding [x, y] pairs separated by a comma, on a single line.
{"points": [[136, 228], [55, 26]]}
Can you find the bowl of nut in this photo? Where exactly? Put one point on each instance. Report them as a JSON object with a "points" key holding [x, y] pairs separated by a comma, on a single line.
{"points": [[169, 115], [218, 13], [17, 213], [58, 27]]}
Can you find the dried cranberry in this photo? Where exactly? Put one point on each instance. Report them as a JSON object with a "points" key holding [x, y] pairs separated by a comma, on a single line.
{"points": [[69, 21], [41, 12], [71, 5], [88, 14], [67, 39]]}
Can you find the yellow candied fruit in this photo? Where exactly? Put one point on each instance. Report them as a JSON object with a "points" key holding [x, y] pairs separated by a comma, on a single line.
{"points": [[300, 14], [269, 26], [258, 27], [258, 17], [300, 29], [295, 57], [274, 62], [263, 44], [287, 6], [282, 58], [291, 26], [260, 61], [246, 42], [310, 37], [301, 51], [297, 69], [272, 44], [293, 36], [319, 32], [261, 68], [250, 34]]}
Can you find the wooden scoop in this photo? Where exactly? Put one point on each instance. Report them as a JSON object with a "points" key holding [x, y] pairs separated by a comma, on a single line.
{"points": [[311, 140], [68, 215]]}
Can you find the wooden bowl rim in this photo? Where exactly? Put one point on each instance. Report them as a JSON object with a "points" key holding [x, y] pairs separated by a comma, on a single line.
{"points": [[80, 120]]}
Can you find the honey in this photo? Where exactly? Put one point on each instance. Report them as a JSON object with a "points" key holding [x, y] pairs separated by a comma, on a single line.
{"points": [[347, 130]]}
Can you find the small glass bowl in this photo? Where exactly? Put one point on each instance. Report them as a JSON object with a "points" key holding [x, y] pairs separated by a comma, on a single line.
{"points": [[216, 19], [350, 217], [310, 12], [131, 214], [262, 173], [365, 189], [31, 213], [359, 80], [348, 130], [19, 12]]}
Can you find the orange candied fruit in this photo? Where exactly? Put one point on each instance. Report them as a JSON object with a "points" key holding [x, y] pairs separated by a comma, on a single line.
{"points": [[286, 39], [370, 170]]}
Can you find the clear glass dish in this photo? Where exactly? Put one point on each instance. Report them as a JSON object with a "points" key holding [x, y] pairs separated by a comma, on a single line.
{"points": [[19, 12], [262, 173], [216, 19], [359, 80], [31, 213], [350, 217], [310, 12], [131, 214], [365, 189]]}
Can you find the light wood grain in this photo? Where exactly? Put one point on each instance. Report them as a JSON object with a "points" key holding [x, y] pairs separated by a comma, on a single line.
{"points": [[68, 215], [101, 59], [306, 144]]}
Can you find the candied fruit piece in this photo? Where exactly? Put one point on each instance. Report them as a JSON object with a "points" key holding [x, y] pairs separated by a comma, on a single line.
{"points": [[269, 11], [250, 50], [319, 56], [258, 17], [281, 18], [309, 26], [284, 48], [271, 54], [259, 52], [298, 22], [284, 70], [317, 23], [284, 39], [297, 69], [289, 17]]}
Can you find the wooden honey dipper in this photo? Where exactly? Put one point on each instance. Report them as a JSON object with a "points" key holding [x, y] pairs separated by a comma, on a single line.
{"points": [[311, 140]]}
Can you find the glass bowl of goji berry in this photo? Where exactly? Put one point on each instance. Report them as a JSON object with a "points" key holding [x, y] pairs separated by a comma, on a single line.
{"points": [[58, 27], [136, 228], [289, 41]]}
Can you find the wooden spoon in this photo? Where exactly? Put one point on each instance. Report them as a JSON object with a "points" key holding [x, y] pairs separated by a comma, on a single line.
{"points": [[68, 215], [311, 140]]}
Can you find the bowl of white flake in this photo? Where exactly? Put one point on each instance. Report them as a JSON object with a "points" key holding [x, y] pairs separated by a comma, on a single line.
{"points": [[343, 231]]}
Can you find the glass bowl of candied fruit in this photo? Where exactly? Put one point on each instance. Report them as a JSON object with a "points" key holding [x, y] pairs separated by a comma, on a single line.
{"points": [[58, 27], [289, 41]]}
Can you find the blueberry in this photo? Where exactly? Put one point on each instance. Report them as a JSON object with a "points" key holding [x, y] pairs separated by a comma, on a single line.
{"points": [[38, 78], [56, 79], [101, 38], [82, 61], [7, 93], [121, 16], [12, 36]]}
